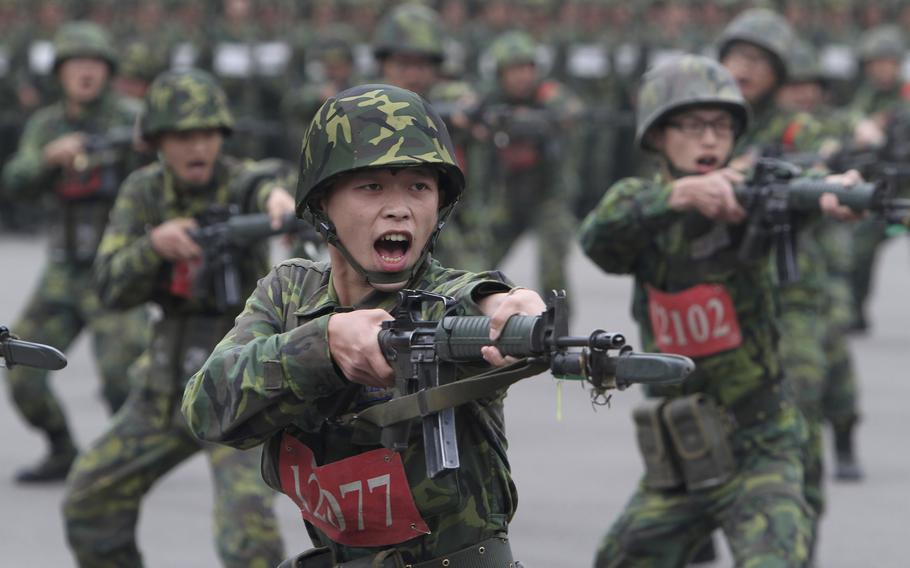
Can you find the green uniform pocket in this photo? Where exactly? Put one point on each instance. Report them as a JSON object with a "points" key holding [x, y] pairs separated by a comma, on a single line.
{"points": [[661, 470], [698, 432]]}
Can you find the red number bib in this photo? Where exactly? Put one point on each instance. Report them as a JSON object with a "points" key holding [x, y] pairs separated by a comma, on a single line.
{"points": [[696, 322], [183, 276], [361, 501], [80, 185]]}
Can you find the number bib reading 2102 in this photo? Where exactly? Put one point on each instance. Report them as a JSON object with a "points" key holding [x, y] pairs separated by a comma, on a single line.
{"points": [[361, 501], [696, 322]]}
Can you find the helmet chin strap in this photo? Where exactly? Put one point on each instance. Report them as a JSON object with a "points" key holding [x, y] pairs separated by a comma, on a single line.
{"points": [[325, 226]]}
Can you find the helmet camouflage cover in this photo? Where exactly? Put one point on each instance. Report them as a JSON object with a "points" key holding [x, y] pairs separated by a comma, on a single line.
{"points": [[764, 28], [83, 39], [185, 100], [686, 81], [882, 42], [374, 126], [410, 29], [802, 61], [511, 48]]}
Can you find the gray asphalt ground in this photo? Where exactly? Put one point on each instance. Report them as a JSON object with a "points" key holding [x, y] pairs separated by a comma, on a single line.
{"points": [[573, 475]]}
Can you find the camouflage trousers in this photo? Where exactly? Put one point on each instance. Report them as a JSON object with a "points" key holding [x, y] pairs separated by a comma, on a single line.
{"points": [[840, 405], [761, 510], [147, 438], [803, 359], [867, 239], [62, 306]]}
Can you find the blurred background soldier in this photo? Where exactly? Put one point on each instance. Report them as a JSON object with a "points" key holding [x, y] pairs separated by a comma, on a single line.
{"points": [[530, 170], [754, 47], [76, 152], [806, 91], [148, 255], [881, 93]]}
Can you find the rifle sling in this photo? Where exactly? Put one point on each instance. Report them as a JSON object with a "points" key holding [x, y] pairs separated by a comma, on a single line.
{"points": [[432, 400]]}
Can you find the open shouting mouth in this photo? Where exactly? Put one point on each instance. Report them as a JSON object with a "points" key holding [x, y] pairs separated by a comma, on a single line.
{"points": [[392, 250], [706, 164]]}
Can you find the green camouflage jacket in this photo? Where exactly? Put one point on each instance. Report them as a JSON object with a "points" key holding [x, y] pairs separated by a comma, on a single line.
{"points": [[273, 373], [634, 231], [129, 272]]}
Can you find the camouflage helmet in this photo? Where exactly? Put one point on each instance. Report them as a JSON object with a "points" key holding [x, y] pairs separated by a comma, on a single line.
{"points": [[763, 28], [882, 42], [374, 126], [185, 100], [83, 39], [410, 29], [141, 62], [512, 48], [803, 64], [686, 81]]}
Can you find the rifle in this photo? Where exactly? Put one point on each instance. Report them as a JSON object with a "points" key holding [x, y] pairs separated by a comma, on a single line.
{"points": [[425, 356], [104, 149], [777, 198], [14, 351], [224, 235]]}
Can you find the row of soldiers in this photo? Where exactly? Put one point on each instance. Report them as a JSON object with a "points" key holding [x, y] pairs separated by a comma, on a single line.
{"points": [[523, 167]]}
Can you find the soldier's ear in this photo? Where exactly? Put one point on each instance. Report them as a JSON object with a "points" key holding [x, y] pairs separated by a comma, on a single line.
{"points": [[654, 138]]}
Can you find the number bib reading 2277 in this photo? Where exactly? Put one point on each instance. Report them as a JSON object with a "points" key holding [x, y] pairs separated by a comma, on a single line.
{"points": [[361, 501], [696, 322]]}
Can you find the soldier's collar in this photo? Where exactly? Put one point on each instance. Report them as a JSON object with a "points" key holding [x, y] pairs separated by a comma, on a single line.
{"points": [[325, 300]]}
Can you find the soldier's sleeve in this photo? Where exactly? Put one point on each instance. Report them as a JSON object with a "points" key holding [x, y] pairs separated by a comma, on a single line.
{"points": [[260, 377], [126, 265], [26, 171], [624, 223]]}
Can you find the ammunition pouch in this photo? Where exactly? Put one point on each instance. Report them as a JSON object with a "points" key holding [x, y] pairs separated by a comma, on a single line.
{"points": [[684, 441], [661, 470], [490, 553], [699, 430]]}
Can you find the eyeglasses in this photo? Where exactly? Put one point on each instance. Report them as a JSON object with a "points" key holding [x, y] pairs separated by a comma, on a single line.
{"points": [[693, 127]]}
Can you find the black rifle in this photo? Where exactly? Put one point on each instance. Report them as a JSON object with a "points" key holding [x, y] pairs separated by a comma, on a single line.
{"points": [[777, 200], [224, 236], [14, 352], [105, 152], [426, 354]]}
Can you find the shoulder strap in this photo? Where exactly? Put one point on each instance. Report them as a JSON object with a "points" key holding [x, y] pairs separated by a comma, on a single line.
{"points": [[432, 400]]}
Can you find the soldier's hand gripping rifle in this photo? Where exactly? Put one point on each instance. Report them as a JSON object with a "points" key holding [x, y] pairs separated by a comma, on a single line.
{"points": [[426, 355], [14, 351], [223, 236], [777, 198]]}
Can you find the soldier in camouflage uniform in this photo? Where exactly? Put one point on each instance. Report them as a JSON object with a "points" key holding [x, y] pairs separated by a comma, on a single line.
{"points": [[754, 47], [379, 176], [724, 449], [806, 91], [530, 169], [59, 159], [881, 52], [147, 255]]}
